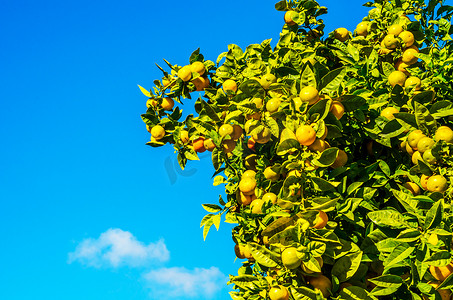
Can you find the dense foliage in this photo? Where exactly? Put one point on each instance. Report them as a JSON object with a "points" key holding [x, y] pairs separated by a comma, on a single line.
{"points": [[335, 153]]}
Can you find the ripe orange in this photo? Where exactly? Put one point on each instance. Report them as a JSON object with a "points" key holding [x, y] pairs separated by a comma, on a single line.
{"points": [[184, 136], [395, 29], [402, 67], [185, 73], [341, 34], [321, 220], [413, 81], [424, 181], [341, 160], [279, 293], [198, 145], [414, 137], [362, 29], [228, 145], [444, 294], [309, 94], [242, 251], [306, 135], [273, 104], [271, 174], [321, 283], [424, 144], [270, 197], [437, 183], [157, 132], [151, 102], [230, 85], [263, 137], [337, 109], [319, 145], [209, 144], [290, 259], [388, 112], [198, 67], [410, 56], [167, 103], [247, 186], [267, 80], [257, 206], [444, 133], [397, 77], [249, 173], [440, 273], [246, 199], [407, 37], [251, 144], [416, 156], [226, 129], [200, 83], [390, 42], [237, 132], [412, 187], [288, 19], [429, 157]]}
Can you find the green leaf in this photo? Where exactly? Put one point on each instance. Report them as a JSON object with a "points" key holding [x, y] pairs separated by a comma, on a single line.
{"points": [[425, 120], [386, 284], [434, 215], [196, 56], [327, 157], [319, 110], [322, 184], [304, 293], [398, 254], [388, 218], [439, 259], [144, 91], [219, 179], [263, 256], [355, 293], [308, 77], [212, 208], [345, 267], [332, 80]]}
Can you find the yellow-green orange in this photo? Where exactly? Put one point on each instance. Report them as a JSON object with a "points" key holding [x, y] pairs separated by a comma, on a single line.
{"points": [[444, 133], [185, 73], [388, 112], [306, 135], [157, 132], [290, 259], [397, 77], [309, 94], [341, 34], [437, 183]]}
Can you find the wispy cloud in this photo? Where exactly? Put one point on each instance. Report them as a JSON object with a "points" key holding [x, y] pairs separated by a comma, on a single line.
{"points": [[178, 282], [115, 248]]}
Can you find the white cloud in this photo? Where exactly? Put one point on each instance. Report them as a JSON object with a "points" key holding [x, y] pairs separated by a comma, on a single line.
{"points": [[115, 248], [178, 282]]}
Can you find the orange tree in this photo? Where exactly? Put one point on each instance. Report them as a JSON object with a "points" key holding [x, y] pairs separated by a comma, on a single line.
{"points": [[335, 153]]}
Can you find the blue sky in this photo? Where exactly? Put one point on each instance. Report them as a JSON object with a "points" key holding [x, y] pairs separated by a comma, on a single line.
{"points": [[88, 211]]}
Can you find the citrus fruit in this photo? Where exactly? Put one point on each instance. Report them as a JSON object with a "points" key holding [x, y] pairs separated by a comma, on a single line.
{"points": [[307, 270], [424, 144], [288, 18], [341, 34], [247, 185], [198, 145], [242, 251], [390, 42], [273, 104], [321, 220], [337, 109], [440, 273], [395, 29], [185, 73], [397, 77], [444, 133], [246, 199], [228, 145], [257, 206], [258, 102], [402, 67], [306, 135], [237, 132], [270, 197], [424, 181], [290, 259], [319, 145], [249, 173], [407, 37], [388, 113], [341, 160], [362, 29], [410, 56], [267, 80], [429, 157], [226, 129], [262, 137], [209, 144], [413, 82], [230, 85], [414, 137], [416, 156], [198, 67], [309, 94], [151, 103], [279, 293], [167, 103], [270, 174], [445, 294], [412, 187], [200, 83], [157, 132], [437, 183], [321, 283], [251, 144]]}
